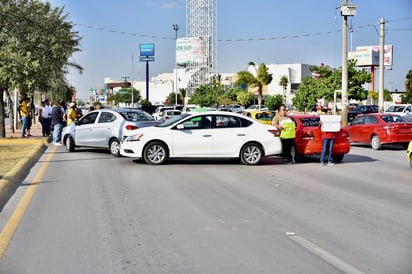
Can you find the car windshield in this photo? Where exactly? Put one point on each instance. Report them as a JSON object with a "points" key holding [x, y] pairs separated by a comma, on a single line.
{"points": [[310, 121], [393, 118], [173, 120], [395, 109]]}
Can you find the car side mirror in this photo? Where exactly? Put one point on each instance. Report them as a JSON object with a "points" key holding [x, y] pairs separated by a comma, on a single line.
{"points": [[180, 126]]}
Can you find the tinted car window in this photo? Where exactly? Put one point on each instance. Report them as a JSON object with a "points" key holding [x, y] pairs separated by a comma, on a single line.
{"points": [[371, 120], [134, 116], [310, 121], [89, 118], [106, 117]]}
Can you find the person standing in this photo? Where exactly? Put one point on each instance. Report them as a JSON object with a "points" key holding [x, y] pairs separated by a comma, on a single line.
{"points": [[287, 128], [328, 139], [45, 117], [72, 113], [25, 117], [57, 123]]}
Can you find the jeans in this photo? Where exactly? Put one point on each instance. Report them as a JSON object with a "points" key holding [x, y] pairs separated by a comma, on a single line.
{"points": [[46, 122], [57, 133], [25, 124], [325, 143]]}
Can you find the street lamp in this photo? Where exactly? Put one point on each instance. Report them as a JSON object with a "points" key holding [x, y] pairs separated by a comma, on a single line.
{"points": [[175, 28]]}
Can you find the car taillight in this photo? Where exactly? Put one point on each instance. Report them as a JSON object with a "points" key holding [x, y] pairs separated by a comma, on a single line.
{"points": [[308, 136], [131, 127], [275, 133]]}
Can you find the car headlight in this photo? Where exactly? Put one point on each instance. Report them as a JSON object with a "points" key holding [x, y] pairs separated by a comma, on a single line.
{"points": [[134, 138]]}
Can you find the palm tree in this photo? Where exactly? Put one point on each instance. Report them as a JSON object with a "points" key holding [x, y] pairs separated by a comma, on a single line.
{"points": [[284, 83], [261, 79]]}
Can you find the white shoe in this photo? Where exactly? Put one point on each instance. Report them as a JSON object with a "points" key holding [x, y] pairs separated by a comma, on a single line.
{"points": [[57, 144]]}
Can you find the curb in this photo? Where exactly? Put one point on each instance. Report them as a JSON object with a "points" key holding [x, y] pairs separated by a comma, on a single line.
{"points": [[12, 179]]}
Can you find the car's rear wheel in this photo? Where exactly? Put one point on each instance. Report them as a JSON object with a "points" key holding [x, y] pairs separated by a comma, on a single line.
{"points": [[251, 154], [70, 144], [155, 153], [114, 147], [376, 142]]}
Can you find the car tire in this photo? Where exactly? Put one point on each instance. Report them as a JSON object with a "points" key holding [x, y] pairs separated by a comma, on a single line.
{"points": [[376, 142], [251, 154], [338, 158], [114, 147], [155, 153], [70, 144]]}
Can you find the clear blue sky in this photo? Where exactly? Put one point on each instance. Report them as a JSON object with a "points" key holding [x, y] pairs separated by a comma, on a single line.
{"points": [[268, 31]]}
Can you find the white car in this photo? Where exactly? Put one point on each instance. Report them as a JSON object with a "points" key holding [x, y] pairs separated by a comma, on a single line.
{"points": [[400, 109], [214, 134]]}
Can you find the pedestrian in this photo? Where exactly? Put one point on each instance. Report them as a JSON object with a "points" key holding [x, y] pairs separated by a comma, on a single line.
{"points": [[24, 115], [57, 122], [328, 139], [287, 128], [45, 117], [73, 113]]}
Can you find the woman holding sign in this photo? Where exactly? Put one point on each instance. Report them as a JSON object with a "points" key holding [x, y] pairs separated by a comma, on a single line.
{"points": [[328, 128], [287, 128]]}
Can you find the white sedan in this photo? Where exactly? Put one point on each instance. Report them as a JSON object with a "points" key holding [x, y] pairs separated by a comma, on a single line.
{"points": [[214, 134]]}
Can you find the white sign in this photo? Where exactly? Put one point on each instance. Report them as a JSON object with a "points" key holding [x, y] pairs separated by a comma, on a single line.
{"points": [[387, 55], [192, 50], [364, 58], [330, 123]]}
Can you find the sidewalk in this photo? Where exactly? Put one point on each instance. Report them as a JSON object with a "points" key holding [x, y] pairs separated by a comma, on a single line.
{"points": [[35, 131]]}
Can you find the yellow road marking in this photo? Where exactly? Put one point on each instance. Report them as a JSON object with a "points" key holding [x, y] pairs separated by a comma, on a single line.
{"points": [[10, 228]]}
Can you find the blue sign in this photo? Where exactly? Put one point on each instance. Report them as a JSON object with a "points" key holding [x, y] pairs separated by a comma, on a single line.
{"points": [[147, 50]]}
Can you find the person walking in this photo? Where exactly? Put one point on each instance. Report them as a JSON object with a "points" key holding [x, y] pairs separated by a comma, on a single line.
{"points": [[57, 123], [25, 117], [328, 139], [287, 128]]}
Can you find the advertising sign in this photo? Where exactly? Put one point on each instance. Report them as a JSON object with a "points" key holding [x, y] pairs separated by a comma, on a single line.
{"points": [[147, 50], [192, 50], [364, 58], [387, 56]]}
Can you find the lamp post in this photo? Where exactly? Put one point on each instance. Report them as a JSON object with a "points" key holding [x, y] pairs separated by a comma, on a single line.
{"points": [[175, 28]]}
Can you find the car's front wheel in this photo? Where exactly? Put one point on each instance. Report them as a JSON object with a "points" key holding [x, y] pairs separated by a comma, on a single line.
{"points": [[376, 142], [155, 153], [114, 147], [70, 144], [251, 154]]}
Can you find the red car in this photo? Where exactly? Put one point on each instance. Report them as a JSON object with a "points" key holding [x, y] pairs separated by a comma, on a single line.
{"points": [[308, 139], [378, 129]]}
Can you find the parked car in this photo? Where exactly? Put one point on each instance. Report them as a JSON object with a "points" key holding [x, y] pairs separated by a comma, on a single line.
{"points": [[256, 107], [408, 153], [308, 140], [264, 117], [167, 114], [400, 109], [215, 134], [158, 113], [364, 109], [378, 129], [235, 108], [105, 128]]}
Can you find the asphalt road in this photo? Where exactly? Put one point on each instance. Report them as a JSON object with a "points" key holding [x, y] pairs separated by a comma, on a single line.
{"points": [[92, 213]]}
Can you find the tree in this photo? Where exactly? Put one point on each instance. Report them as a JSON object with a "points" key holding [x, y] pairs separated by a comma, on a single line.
{"points": [[273, 101], [36, 43], [407, 97], [244, 98], [284, 83], [261, 79], [324, 83]]}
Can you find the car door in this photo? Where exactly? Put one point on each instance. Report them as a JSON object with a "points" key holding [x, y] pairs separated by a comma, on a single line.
{"points": [[355, 129], [195, 139], [229, 133], [106, 127], [83, 130]]}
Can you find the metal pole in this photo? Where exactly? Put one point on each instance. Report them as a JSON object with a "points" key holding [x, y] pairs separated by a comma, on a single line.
{"points": [[175, 28], [147, 80], [344, 67], [381, 64]]}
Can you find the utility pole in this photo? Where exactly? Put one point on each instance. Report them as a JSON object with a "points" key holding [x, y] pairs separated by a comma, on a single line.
{"points": [[381, 64], [175, 28], [346, 10]]}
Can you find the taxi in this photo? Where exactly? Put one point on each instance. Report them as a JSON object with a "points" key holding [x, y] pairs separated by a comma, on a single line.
{"points": [[263, 116]]}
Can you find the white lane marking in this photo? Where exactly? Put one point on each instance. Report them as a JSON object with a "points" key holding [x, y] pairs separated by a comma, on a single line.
{"points": [[333, 260]]}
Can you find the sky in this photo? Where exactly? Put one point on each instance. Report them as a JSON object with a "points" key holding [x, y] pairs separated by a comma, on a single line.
{"points": [[262, 31]]}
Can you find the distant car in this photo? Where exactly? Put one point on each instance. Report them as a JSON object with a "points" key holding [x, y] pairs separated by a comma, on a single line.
{"points": [[167, 114], [308, 140], [159, 112], [235, 108], [264, 117], [364, 109], [105, 128], [408, 153], [256, 107], [214, 134], [400, 109], [378, 129]]}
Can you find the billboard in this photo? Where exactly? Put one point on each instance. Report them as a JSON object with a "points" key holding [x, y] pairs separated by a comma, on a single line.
{"points": [[364, 58], [387, 56], [192, 50], [147, 50]]}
